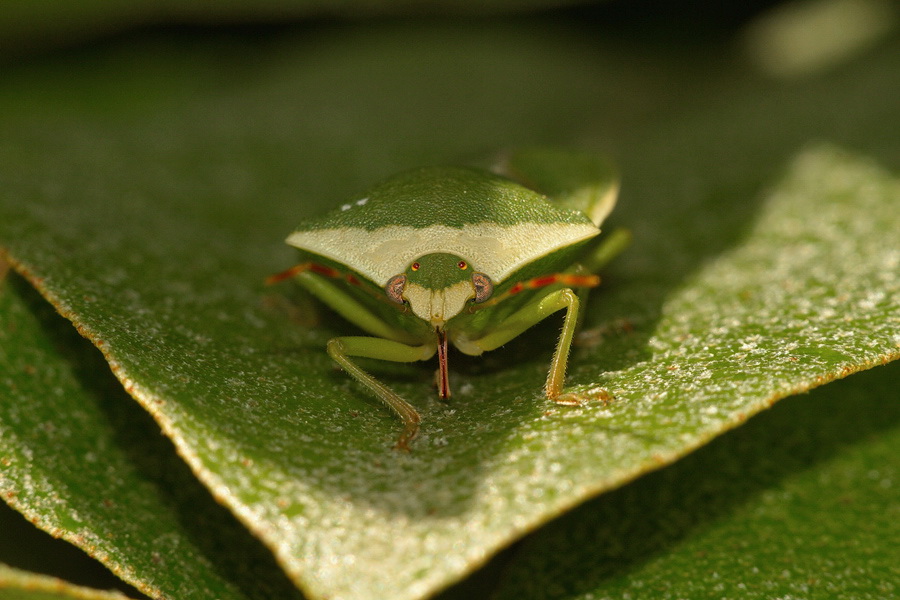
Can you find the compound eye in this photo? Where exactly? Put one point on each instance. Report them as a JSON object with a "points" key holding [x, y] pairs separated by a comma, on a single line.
{"points": [[483, 287], [395, 286]]}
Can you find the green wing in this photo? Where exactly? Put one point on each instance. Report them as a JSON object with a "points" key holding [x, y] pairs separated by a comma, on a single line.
{"points": [[580, 181]]}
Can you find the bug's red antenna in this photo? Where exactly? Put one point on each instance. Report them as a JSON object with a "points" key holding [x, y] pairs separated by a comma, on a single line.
{"points": [[316, 268], [332, 273], [567, 279], [287, 274]]}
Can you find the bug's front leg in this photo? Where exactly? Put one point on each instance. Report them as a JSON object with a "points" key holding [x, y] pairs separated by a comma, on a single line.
{"points": [[341, 348], [567, 299], [532, 313]]}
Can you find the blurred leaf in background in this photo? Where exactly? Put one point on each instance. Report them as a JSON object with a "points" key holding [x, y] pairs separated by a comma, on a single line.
{"points": [[16, 584]]}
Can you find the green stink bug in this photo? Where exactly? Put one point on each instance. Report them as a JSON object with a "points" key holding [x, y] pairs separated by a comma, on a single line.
{"points": [[454, 255]]}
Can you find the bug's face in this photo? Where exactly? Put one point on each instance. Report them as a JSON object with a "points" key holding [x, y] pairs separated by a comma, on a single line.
{"points": [[438, 286]]}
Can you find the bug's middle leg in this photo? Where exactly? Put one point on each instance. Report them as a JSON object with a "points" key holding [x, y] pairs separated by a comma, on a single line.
{"points": [[609, 247]]}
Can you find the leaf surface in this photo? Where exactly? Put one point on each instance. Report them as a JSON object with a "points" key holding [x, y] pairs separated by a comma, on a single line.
{"points": [[84, 463], [150, 209], [801, 502]]}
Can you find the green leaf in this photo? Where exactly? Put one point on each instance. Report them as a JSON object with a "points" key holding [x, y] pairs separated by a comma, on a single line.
{"points": [[84, 463], [800, 503], [146, 192], [16, 584]]}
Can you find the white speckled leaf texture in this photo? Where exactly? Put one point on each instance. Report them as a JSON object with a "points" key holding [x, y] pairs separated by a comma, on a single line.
{"points": [[801, 502], [147, 200]]}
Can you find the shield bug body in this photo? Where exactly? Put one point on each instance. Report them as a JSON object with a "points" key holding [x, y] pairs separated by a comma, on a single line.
{"points": [[458, 256]]}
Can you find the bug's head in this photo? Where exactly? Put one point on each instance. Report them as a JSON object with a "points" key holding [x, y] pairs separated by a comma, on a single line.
{"points": [[438, 286]]}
